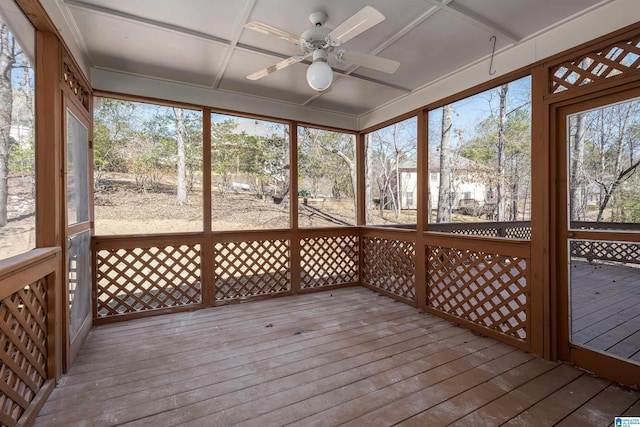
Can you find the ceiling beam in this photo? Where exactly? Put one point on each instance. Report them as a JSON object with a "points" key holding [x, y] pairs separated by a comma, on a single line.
{"points": [[237, 31]]}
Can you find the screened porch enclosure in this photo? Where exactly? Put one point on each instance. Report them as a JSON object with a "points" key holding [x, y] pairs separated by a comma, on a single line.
{"points": [[472, 260]]}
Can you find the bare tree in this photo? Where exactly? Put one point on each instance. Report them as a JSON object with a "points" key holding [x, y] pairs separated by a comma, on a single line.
{"points": [[502, 125], [332, 145], [181, 197], [7, 61], [614, 128], [444, 189], [577, 183]]}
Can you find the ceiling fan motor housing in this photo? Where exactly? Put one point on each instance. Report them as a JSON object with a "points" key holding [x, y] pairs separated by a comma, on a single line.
{"points": [[318, 18], [316, 37]]}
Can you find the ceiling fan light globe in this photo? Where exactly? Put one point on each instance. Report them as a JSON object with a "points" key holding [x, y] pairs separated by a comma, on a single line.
{"points": [[319, 75]]}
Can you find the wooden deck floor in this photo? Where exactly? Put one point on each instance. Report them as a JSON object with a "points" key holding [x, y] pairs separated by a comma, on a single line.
{"points": [[341, 357], [606, 307]]}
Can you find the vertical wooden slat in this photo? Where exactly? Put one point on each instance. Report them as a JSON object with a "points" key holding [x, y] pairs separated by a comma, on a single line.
{"points": [[421, 218], [294, 247], [540, 316], [207, 276], [361, 197], [49, 173], [361, 201]]}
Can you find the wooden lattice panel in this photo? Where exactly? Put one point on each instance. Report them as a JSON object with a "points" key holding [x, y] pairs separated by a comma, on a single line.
{"points": [[245, 269], [141, 279], [489, 290], [329, 261], [623, 252], [523, 233], [480, 231], [23, 358], [389, 265], [620, 58]]}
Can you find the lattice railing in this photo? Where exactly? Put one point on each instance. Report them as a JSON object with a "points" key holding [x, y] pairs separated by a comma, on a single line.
{"points": [[23, 358], [328, 260], [523, 232], [624, 252], [509, 229], [479, 231], [132, 280], [617, 59], [486, 289], [251, 268], [389, 265]]}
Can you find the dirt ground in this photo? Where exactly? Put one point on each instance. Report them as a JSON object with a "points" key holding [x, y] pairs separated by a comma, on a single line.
{"points": [[19, 235], [120, 208]]}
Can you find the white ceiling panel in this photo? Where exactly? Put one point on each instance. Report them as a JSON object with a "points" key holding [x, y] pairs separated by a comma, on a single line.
{"points": [[130, 47], [215, 17], [444, 44], [523, 17], [354, 96]]}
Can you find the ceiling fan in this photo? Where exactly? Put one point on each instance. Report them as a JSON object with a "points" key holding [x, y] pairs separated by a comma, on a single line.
{"points": [[319, 42]]}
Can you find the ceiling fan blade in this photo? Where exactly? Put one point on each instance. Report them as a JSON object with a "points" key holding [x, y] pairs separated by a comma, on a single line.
{"points": [[370, 61], [263, 28], [366, 18], [275, 67]]}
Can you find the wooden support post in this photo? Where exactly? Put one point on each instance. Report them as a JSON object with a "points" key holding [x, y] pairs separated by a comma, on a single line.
{"points": [[49, 183], [207, 250], [539, 291], [295, 244], [422, 217]]}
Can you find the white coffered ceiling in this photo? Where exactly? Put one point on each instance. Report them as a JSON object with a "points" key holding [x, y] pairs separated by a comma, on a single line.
{"points": [[203, 43]]}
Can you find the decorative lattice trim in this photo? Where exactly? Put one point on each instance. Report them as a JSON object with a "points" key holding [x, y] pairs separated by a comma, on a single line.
{"points": [[489, 290], [595, 67], [329, 261], [23, 358], [141, 279], [71, 78], [245, 269], [607, 251], [389, 265]]}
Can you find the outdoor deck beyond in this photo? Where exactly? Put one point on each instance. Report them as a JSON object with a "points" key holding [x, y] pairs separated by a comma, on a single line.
{"points": [[335, 357]]}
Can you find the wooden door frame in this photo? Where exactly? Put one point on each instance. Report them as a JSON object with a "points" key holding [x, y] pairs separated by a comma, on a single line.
{"points": [[599, 363]]}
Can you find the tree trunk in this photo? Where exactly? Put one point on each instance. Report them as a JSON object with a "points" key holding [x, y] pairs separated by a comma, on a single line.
{"points": [[7, 59], [181, 197], [576, 185], [500, 202], [444, 191]]}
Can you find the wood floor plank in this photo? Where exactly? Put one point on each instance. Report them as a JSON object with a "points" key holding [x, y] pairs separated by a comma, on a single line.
{"points": [[602, 408], [521, 398], [558, 405], [431, 371], [470, 400], [90, 372], [294, 403], [238, 366], [278, 365], [428, 397], [346, 356], [210, 400]]}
